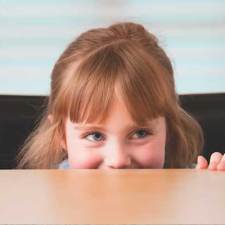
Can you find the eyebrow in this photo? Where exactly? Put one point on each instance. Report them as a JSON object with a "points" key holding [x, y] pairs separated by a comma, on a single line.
{"points": [[128, 127]]}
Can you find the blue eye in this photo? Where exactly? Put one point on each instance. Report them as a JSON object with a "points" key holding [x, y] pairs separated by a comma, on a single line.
{"points": [[142, 133], [96, 136]]}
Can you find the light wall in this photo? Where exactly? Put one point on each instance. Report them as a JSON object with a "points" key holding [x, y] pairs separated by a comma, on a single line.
{"points": [[34, 32]]}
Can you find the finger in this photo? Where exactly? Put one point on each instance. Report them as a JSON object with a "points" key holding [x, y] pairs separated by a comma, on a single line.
{"points": [[201, 163], [221, 165], [215, 160]]}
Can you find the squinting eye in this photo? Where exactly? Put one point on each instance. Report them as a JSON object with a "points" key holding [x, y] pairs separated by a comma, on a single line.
{"points": [[95, 136], [142, 133]]}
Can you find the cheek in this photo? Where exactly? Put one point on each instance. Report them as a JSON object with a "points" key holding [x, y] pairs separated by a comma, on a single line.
{"points": [[150, 156], [79, 156], [87, 163], [83, 159]]}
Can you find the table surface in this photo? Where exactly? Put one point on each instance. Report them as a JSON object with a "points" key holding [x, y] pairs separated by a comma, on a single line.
{"points": [[169, 196]]}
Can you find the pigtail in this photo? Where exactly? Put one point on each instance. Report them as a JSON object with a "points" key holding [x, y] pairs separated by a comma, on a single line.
{"points": [[42, 148]]}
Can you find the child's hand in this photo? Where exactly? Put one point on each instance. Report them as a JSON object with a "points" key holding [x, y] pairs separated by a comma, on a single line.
{"points": [[217, 162]]}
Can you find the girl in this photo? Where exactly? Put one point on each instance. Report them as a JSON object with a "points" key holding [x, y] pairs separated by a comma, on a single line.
{"points": [[113, 105]]}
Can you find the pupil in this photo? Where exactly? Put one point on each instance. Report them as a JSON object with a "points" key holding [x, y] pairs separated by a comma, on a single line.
{"points": [[141, 133], [98, 135]]}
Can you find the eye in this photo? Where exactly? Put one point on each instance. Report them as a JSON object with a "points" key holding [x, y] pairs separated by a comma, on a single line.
{"points": [[94, 136], [141, 133]]}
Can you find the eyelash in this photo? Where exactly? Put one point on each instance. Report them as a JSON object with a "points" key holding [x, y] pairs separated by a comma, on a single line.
{"points": [[147, 133]]}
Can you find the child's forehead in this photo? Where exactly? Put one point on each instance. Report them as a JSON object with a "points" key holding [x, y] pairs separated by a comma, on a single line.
{"points": [[117, 109], [127, 125]]}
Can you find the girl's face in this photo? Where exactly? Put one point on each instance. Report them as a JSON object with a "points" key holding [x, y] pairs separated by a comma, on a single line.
{"points": [[117, 143]]}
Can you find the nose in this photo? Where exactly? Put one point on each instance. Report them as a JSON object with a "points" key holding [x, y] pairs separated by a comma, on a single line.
{"points": [[117, 158]]}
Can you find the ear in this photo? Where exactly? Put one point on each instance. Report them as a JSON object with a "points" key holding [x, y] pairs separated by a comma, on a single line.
{"points": [[62, 141]]}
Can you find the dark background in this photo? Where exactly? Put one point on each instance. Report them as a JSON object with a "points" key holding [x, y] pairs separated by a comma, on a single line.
{"points": [[19, 115]]}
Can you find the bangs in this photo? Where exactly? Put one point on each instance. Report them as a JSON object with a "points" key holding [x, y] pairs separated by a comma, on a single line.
{"points": [[119, 70]]}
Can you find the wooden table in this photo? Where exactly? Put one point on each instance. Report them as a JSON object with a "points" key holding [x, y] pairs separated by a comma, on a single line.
{"points": [[169, 196]]}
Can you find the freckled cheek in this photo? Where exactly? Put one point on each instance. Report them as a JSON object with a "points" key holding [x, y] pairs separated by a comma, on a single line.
{"points": [[150, 156]]}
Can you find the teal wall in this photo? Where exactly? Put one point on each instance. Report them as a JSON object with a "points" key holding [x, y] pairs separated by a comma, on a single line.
{"points": [[34, 32]]}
